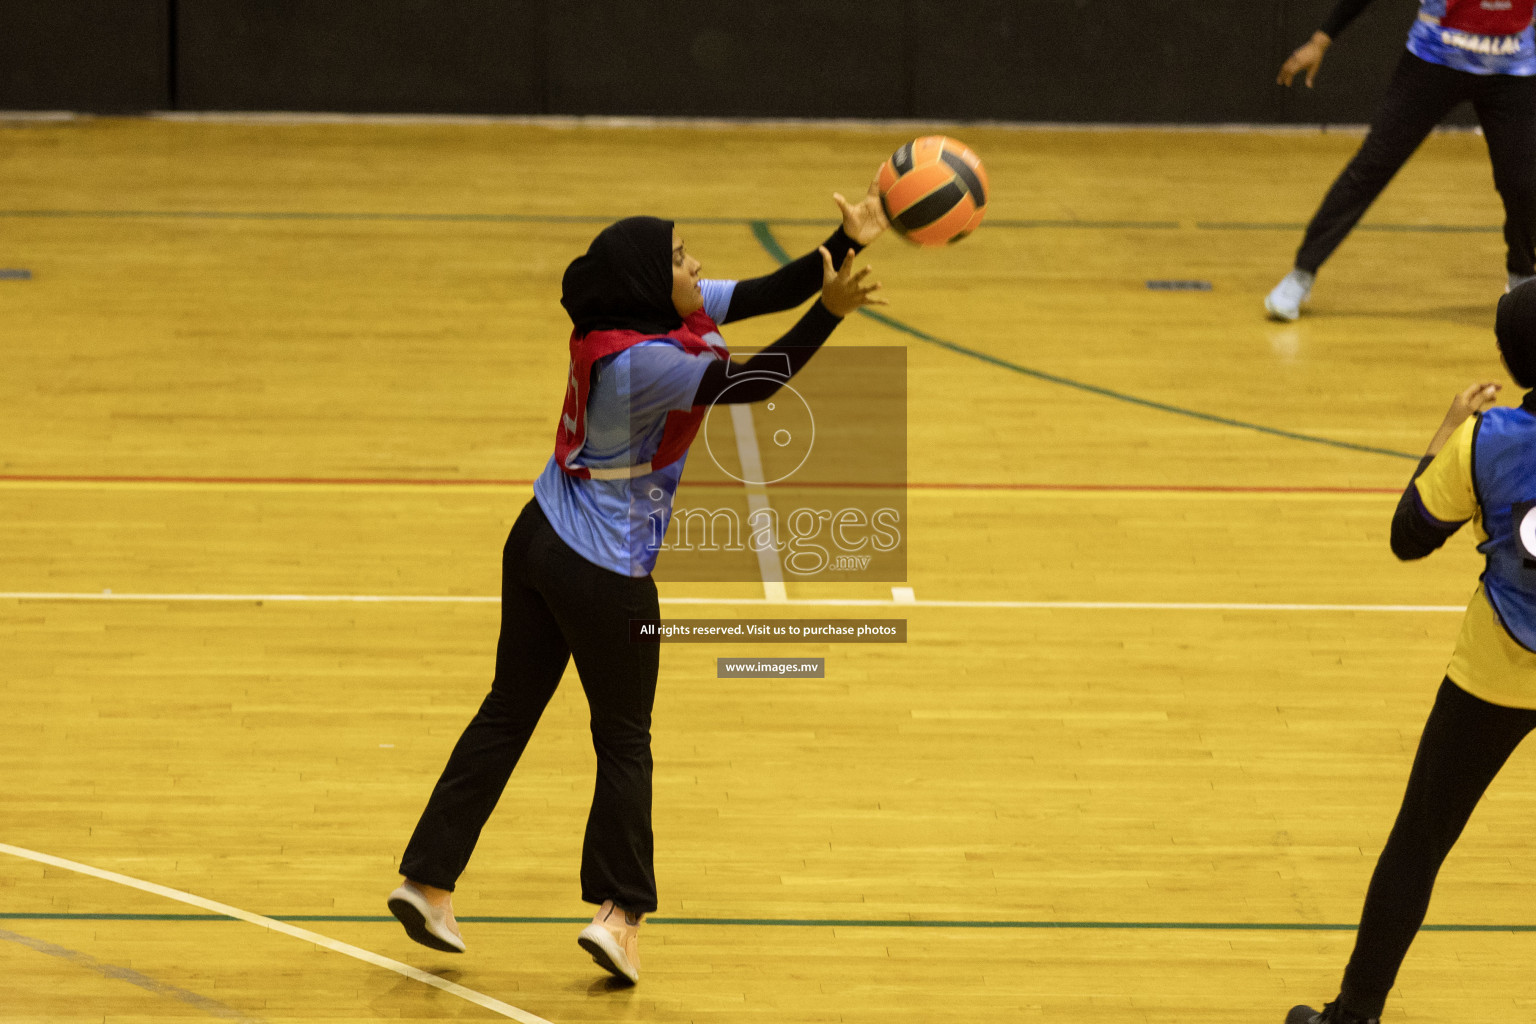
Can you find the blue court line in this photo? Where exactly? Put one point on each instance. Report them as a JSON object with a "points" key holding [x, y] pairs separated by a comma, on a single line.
{"points": [[764, 234], [132, 977], [807, 922], [1434, 229]]}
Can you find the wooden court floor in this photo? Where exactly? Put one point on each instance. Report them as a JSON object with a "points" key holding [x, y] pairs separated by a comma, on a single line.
{"points": [[271, 386]]}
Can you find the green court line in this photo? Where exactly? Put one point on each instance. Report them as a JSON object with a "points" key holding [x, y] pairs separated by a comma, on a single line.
{"points": [[762, 230], [764, 234], [1096, 225], [810, 922], [407, 218], [1238, 225], [553, 218], [119, 972]]}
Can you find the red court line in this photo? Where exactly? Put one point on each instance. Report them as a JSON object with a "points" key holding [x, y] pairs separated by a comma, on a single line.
{"points": [[1169, 488], [49, 478], [851, 485]]}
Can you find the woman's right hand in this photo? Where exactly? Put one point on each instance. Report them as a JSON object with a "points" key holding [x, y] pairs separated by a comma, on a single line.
{"points": [[1308, 56], [865, 220], [1473, 399], [842, 290]]}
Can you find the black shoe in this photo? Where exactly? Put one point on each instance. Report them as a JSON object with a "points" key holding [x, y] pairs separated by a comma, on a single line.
{"points": [[1331, 1013]]}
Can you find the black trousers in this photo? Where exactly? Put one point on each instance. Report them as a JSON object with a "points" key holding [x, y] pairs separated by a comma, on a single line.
{"points": [[1421, 94], [556, 605], [1465, 743]]}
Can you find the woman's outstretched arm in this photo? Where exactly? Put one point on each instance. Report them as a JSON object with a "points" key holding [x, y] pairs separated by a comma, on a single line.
{"points": [[793, 283], [790, 285], [842, 292]]}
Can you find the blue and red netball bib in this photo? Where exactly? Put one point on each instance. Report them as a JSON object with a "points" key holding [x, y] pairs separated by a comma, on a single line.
{"points": [[696, 336], [1482, 37]]}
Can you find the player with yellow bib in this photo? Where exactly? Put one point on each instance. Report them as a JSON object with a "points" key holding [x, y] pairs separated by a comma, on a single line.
{"points": [[1480, 468]]}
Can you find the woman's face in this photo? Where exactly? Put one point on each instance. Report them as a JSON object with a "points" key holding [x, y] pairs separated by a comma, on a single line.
{"points": [[686, 296]]}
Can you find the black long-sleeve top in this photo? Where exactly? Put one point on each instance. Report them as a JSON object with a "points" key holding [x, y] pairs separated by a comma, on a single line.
{"points": [[732, 383], [1416, 533], [1344, 12]]}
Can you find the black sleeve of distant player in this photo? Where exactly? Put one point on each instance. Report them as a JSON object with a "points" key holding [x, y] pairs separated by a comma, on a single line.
{"points": [[1416, 533], [788, 286], [1344, 12], [785, 356]]}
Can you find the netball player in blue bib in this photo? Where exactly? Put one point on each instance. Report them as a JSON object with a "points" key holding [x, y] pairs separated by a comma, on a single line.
{"points": [[1458, 50], [647, 359], [1481, 468]]}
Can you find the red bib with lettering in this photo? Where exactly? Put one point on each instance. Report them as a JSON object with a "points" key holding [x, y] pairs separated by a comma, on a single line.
{"points": [[682, 426], [1488, 17]]}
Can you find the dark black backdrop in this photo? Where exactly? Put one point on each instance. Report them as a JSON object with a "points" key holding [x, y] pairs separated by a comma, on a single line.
{"points": [[1192, 61]]}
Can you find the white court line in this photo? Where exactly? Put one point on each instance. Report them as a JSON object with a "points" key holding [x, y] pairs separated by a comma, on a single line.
{"points": [[1160, 606], [810, 602], [303, 934], [107, 595], [757, 501]]}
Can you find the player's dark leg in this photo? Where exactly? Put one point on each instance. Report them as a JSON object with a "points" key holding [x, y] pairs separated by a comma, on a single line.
{"points": [[531, 656], [594, 607], [1419, 96], [1466, 741], [1506, 108]]}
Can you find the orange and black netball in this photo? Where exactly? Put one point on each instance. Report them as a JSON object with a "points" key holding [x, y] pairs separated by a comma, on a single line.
{"points": [[934, 190]]}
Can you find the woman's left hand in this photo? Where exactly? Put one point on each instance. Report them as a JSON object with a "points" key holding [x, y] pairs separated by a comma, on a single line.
{"points": [[863, 221], [842, 290]]}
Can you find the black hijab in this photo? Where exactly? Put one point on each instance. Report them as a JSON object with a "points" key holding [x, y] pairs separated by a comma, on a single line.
{"points": [[624, 282], [1515, 329]]}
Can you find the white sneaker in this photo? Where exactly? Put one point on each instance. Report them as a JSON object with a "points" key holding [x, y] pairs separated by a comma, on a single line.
{"points": [[613, 941], [1516, 280], [423, 922], [1284, 302]]}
